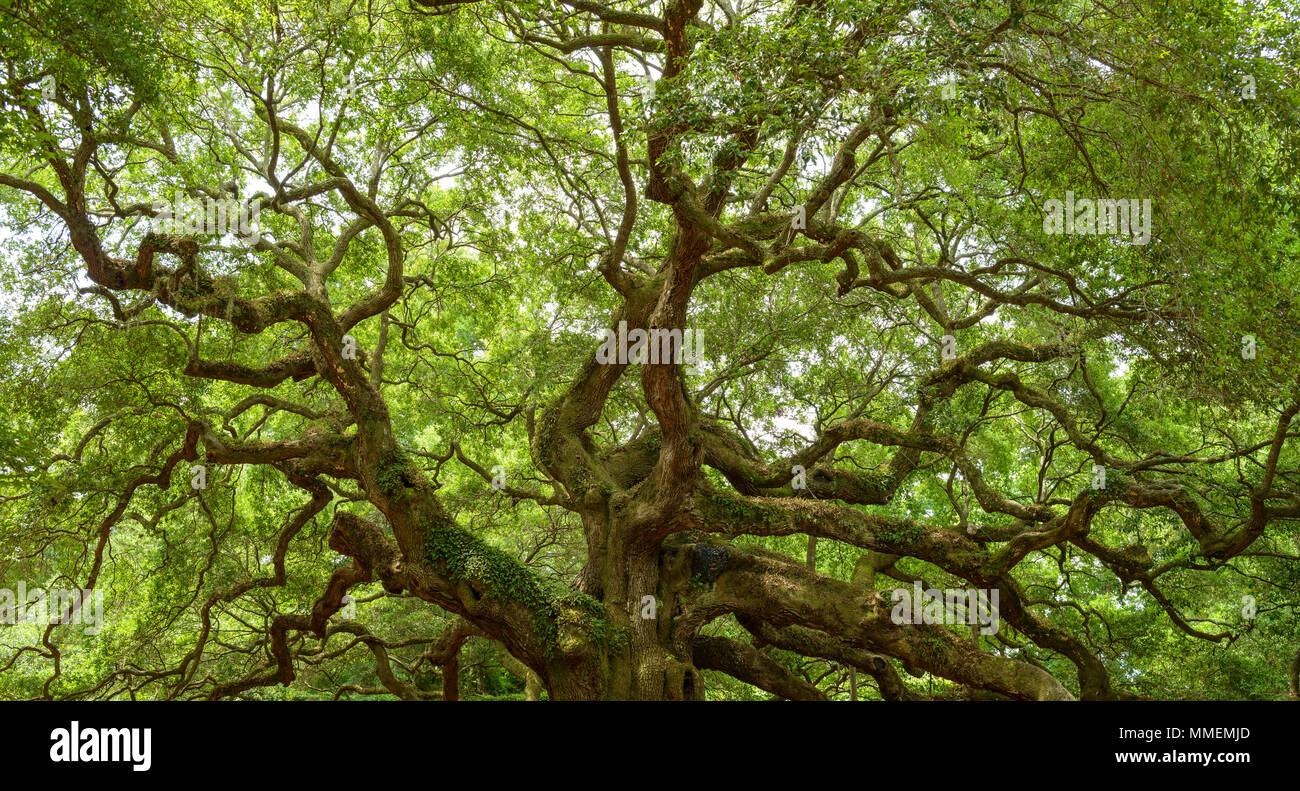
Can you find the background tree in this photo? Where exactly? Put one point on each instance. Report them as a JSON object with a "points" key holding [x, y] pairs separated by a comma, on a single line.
{"points": [[395, 395]]}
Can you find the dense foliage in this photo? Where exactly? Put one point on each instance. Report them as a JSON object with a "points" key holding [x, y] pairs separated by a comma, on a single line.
{"points": [[372, 449]]}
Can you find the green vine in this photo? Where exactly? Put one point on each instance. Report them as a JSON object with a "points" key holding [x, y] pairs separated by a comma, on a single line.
{"points": [[462, 557]]}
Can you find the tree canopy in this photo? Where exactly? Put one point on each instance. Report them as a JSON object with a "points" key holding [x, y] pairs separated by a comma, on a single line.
{"points": [[308, 311]]}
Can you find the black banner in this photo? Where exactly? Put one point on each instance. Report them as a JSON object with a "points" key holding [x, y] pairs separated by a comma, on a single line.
{"points": [[331, 741]]}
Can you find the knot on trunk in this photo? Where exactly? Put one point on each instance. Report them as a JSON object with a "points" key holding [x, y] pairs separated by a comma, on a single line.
{"points": [[709, 562]]}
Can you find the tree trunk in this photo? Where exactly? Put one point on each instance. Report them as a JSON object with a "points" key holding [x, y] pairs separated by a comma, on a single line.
{"points": [[451, 678]]}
